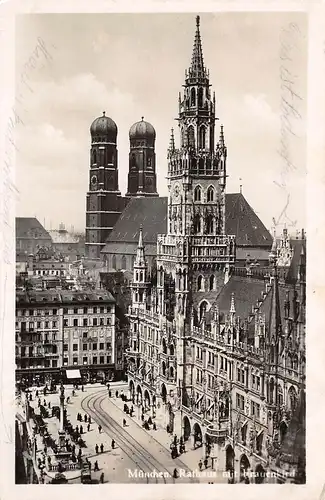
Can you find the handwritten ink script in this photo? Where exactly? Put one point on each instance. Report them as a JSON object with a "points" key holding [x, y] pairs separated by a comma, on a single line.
{"points": [[41, 55], [290, 106]]}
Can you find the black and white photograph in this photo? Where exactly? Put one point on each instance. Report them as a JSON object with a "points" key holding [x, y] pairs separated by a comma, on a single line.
{"points": [[160, 248]]}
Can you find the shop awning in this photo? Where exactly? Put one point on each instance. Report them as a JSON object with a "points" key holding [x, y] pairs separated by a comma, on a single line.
{"points": [[73, 374]]}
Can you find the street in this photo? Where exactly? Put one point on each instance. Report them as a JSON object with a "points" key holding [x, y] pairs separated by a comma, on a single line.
{"points": [[139, 455]]}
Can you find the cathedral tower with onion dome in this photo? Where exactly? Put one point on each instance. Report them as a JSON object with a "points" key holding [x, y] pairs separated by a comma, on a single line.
{"points": [[104, 201], [142, 161]]}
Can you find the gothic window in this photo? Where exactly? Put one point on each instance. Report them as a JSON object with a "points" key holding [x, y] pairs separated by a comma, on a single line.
{"points": [[203, 309], [292, 398], [114, 262], [197, 193], [94, 157], [280, 395], [202, 137], [171, 372], [212, 282], [171, 350], [164, 346], [200, 97], [200, 283], [197, 224], [123, 262], [271, 391], [209, 224], [210, 194], [133, 161], [163, 366], [149, 162], [193, 97], [191, 136]]}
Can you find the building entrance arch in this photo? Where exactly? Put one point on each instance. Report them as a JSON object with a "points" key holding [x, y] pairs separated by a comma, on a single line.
{"points": [[139, 395], [230, 459], [187, 428], [132, 390], [198, 438], [163, 393], [147, 401], [244, 466], [260, 474]]}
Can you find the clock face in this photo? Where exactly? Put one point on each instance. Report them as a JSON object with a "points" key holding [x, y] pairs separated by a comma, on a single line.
{"points": [[94, 180]]}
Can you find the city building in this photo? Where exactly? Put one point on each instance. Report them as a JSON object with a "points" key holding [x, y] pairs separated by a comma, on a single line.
{"points": [[59, 330], [220, 348], [30, 236], [69, 244]]}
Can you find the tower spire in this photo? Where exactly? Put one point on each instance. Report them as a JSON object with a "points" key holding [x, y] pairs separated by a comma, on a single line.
{"points": [[222, 137], [197, 69]]}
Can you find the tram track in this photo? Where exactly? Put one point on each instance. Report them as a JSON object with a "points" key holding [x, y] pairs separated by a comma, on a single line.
{"points": [[142, 459]]}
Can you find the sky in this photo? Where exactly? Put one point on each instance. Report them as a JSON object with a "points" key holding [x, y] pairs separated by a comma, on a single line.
{"points": [[70, 68]]}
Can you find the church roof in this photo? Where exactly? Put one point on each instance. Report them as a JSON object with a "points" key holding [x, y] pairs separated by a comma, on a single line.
{"points": [[246, 293], [241, 220], [30, 227]]}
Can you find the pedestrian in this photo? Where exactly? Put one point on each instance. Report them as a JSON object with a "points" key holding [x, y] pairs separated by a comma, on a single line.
{"points": [[96, 466], [49, 460], [85, 418], [175, 474], [88, 427], [99, 429], [206, 462], [74, 449], [49, 405], [81, 429], [110, 394], [79, 452], [116, 394], [200, 465], [124, 422], [113, 444], [89, 420], [142, 417], [154, 426], [77, 429], [102, 448], [44, 402], [45, 450], [96, 449], [73, 393], [101, 479]]}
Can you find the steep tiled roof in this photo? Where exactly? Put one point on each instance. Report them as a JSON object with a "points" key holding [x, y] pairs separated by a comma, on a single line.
{"points": [[241, 220], [30, 227], [294, 266], [246, 292]]}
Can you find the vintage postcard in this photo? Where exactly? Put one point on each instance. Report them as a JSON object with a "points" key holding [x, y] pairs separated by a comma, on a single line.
{"points": [[157, 169]]}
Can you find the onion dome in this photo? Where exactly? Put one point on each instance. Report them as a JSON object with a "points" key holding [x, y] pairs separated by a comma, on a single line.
{"points": [[104, 129], [142, 131]]}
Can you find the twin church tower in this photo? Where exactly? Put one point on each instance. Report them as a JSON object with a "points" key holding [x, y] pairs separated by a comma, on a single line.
{"points": [[104, 200]]}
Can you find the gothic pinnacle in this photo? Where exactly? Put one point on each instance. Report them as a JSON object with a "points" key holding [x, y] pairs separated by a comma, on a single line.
{"points": [[172, 141], [197, 67]]}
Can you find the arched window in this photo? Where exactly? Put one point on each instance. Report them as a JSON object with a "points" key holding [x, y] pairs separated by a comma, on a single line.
{"points": [[197, 224], [197, 193], [163, 368], [292, 398], [203, 309], [200, 283], [164, 346], [171, 350], [123, 262], [280, 395], [171, 372], [202, 137], [200, 97], [212, 282], [114, 261], [133, 161], [210, 194], [193, 97], [209, 224], [94, 157], [191, 136]]}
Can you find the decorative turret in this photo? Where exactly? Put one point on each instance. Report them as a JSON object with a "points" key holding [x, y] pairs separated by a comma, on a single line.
{"points": [[140, 284]]}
